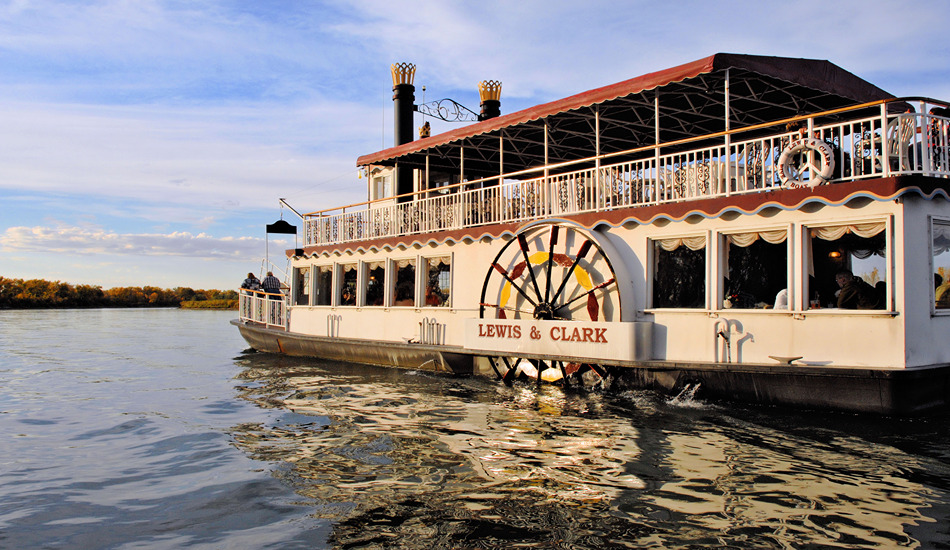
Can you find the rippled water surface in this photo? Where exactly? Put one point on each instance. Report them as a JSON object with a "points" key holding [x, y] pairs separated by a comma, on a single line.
{"points": [[155, 429]]}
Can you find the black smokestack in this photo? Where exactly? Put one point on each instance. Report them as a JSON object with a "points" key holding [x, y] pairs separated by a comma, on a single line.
{"points": [[404, 102], [489, 91]]}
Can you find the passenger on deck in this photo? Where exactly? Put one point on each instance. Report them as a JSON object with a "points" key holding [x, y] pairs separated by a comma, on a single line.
{"points": [[251, 283], [271, 285], [855, 293]]}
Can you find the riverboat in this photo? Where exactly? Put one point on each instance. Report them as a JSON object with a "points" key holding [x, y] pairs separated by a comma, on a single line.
{"points": [[683, 230]]}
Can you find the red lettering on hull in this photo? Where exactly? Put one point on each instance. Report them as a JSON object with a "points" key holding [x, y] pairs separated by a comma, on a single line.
{"points": [[592, 335]]}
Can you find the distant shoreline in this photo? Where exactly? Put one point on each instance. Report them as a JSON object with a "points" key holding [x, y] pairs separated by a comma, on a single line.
{"points": [[192, 305], [43, 294]]}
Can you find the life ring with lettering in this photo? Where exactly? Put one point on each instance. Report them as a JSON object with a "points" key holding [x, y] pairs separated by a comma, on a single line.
{"points": [[796, 160]]}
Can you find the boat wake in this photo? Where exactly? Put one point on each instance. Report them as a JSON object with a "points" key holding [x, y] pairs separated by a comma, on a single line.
{"points": [[686, 398]]}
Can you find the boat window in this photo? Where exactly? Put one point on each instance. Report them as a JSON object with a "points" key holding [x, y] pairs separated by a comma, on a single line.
{"points": [[324, 286], [679, 276], [302, 286], [382, 186], [348, 286], [438, 281], [757, 269], [404, 291], [940, 243], [375, 283], [859, 248]]}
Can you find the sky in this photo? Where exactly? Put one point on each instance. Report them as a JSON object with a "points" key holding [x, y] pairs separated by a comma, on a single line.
{"points": [[148, 142]]}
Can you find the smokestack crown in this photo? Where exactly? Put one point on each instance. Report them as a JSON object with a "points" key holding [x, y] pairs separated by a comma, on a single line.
{"points": [[403, 73], [489, 90]]}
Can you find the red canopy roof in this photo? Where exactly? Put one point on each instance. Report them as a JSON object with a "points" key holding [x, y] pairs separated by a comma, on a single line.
{"points": [[758, 84]]}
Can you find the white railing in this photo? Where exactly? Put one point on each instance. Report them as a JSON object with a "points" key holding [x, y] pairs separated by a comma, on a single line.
{"points": [[871, 147], [264, 308]]}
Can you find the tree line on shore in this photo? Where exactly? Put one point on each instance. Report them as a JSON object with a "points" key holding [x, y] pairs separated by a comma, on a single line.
{"points": [[40, 293]]}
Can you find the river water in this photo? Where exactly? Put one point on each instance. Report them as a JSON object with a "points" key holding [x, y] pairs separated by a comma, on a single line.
{"points": [[156, 429]]}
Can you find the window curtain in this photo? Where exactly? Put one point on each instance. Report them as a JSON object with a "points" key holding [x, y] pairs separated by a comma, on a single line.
{"points": [[693, 243], [402, 264], [376, 265], [863, 230], [776, 236], [833, 233], [941, 238]]}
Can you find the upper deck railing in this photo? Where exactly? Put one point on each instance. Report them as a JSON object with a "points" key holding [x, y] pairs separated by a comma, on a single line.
{"points": [[866, 147]]}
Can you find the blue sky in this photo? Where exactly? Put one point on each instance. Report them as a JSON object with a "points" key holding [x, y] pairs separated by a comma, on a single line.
{"points": [[146, 142]]}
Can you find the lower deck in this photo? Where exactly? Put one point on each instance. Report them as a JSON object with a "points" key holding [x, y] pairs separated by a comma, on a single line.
{"points": [[881, 391]]}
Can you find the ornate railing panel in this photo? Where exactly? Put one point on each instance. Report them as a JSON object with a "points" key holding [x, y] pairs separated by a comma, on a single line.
{"points": [[260, 307]]}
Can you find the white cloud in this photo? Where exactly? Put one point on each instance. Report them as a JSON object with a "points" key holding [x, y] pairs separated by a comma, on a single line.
{"points": [[241, 158], [75, 240], [544, 50]]}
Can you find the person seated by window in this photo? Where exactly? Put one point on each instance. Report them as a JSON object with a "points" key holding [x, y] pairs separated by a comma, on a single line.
{"points": [[404, 296], [855, 293]]}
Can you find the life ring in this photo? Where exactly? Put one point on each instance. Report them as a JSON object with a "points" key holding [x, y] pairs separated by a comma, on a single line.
{"points": [[791, 176]]}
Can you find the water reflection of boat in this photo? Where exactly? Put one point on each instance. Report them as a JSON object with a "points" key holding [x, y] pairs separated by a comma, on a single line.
{"points": [[438, 462], [636, 232]]}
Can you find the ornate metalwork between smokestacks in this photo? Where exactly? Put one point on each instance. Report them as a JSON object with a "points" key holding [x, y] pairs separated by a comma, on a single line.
{"points": [[448, 110], [489, 92]]}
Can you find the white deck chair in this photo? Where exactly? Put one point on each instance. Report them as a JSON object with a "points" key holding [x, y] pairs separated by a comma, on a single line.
{"points": [[899, 135]]}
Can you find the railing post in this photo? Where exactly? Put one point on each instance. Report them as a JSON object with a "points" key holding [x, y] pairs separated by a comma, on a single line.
{"points": [[926, 122], [885, 154]]}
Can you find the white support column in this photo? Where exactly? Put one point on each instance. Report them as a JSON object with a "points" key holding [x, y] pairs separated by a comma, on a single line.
{"points": [[598, 179], [712, 271], [547, 182], [461, 197], [890, 246], [923, 126], [728, 116], [501, 157], [885, 154], [793, 284], [501, 172], [656, 142]]}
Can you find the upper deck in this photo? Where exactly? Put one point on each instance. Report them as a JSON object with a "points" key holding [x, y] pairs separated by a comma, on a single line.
{"points": [[660, 139]]}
